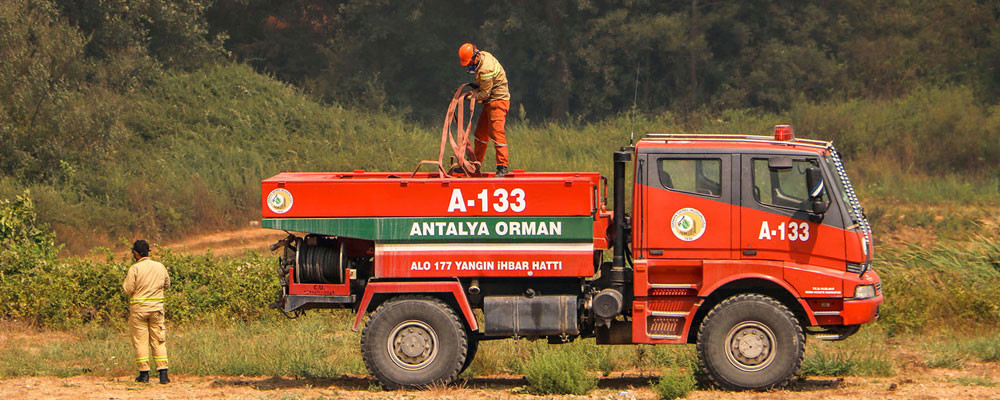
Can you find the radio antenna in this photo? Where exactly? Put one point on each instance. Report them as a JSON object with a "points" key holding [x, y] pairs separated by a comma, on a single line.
{"points": [[635, 99]]}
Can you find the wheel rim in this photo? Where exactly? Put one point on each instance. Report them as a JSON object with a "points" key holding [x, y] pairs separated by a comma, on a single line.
{"points": [[750, 346], [412, 345]]}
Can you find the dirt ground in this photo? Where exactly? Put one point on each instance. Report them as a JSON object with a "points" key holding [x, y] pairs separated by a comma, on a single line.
{"points": [[916, 383], [228, 243]]}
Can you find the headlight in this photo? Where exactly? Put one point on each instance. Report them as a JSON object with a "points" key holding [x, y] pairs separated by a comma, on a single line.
{"points": [[864, 292]]}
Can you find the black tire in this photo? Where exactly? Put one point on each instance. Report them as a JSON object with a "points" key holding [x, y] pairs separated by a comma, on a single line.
{"points": [[430, 343], [470, 354], [750, 342]]}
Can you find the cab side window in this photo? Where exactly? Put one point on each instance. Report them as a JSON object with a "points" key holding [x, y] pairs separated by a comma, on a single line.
{"points": [[701, 176], [783, 187]]}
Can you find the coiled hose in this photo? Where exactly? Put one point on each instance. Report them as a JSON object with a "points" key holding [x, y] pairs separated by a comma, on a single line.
{"points": [[319, 263]]}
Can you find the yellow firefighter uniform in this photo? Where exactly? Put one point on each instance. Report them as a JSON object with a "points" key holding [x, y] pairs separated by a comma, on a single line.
{"points": [[144, 284], [492, 79]]}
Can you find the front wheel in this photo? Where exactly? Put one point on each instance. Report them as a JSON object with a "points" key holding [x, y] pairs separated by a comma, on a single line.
{"points": [[750, 342], [470, 354], [412, 341]]}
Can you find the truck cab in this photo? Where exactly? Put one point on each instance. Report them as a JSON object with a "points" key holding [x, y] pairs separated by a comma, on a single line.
{"points": [[740, 244]]}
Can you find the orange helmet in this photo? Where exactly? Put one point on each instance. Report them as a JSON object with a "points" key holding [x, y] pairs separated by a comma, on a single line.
{"points": [[466, 53]]}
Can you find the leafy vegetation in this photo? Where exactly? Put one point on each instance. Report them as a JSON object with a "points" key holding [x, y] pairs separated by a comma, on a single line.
{"points": [[557, 371], [37, 286], [674, 384]]}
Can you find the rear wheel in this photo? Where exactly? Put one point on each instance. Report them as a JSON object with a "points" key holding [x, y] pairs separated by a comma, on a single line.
{"points": [[411, 341], [750, 342]]}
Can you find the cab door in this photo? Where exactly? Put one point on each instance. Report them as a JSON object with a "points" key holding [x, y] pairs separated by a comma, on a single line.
{"points": [[688, 206], [777, 222]]}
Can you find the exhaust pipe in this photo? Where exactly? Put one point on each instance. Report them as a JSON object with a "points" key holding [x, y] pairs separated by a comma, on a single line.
{"points": [[609, 302], [618, 261], [474, 287]]}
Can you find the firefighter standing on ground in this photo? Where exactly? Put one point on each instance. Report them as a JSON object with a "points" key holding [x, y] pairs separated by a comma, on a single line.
{"points": [[144, 285], [495, 96]]}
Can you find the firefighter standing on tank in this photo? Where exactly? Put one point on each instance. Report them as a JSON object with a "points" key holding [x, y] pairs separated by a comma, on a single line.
{"points": [[144, 284], [495, 96]]}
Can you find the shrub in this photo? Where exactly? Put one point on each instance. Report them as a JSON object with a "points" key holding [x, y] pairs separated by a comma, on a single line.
{"points": [[558, 372], [674, 383], [37, 286], [24, 240]]}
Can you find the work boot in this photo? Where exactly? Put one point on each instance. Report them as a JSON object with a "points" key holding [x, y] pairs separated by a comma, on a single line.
{"points": [[143, 377], [501, 171], [163, 377]]}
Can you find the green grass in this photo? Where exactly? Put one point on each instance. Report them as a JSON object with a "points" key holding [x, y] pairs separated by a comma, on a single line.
{"points": [[975, 381], [954, 351], [948, 359], [864, 354], [313, 346], [985, 348], [846, 364], [951, 282]]}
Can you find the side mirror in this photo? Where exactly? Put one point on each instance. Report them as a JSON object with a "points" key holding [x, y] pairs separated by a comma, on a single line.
{"points": [[814, 184], [820, 207]]}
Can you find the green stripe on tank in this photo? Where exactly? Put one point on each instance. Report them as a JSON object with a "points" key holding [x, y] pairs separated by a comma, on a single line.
{"points": [[445, 229]]}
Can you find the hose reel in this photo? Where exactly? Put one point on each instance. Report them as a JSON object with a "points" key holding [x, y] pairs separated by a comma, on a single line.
{"points": [[320, 260]]}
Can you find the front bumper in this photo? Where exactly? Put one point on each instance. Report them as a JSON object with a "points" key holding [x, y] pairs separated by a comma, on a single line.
{"points": [[858, 312]]}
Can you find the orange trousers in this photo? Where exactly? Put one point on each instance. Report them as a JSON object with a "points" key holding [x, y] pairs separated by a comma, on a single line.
{"points": [[490, 126]]}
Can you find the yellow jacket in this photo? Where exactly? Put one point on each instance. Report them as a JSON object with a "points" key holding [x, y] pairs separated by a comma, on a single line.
{"points": [[492, 79], [144, 285]]}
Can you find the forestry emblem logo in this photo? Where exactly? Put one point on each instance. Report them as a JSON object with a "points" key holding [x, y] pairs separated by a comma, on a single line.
{"points": [[279, 201], [688, 224]]}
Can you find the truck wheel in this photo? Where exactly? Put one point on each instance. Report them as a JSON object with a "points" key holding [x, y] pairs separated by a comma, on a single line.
{"points": [[470, 354], [411, 341], [750, 342]]}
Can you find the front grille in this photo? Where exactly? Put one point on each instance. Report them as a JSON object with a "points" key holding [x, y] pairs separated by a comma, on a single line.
{"points": [[855, 268], [878, 287]]}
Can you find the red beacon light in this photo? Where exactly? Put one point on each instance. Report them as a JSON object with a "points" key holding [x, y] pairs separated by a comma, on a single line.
{"points": [[784, 133]]}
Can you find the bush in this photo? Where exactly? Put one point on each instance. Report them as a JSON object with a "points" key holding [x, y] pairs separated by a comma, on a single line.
{"points": [[558, 372], [23, 238], [37, 286], [674, 383]]}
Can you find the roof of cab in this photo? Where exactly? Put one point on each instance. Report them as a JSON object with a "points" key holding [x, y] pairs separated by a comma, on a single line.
{"points": [[730, 143]]}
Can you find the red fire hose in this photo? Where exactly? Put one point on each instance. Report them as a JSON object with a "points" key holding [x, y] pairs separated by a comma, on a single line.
{"points": [[464, 158]]}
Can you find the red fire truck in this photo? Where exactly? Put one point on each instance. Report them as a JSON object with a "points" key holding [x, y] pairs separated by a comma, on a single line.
{"points": [[740, 244]]}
